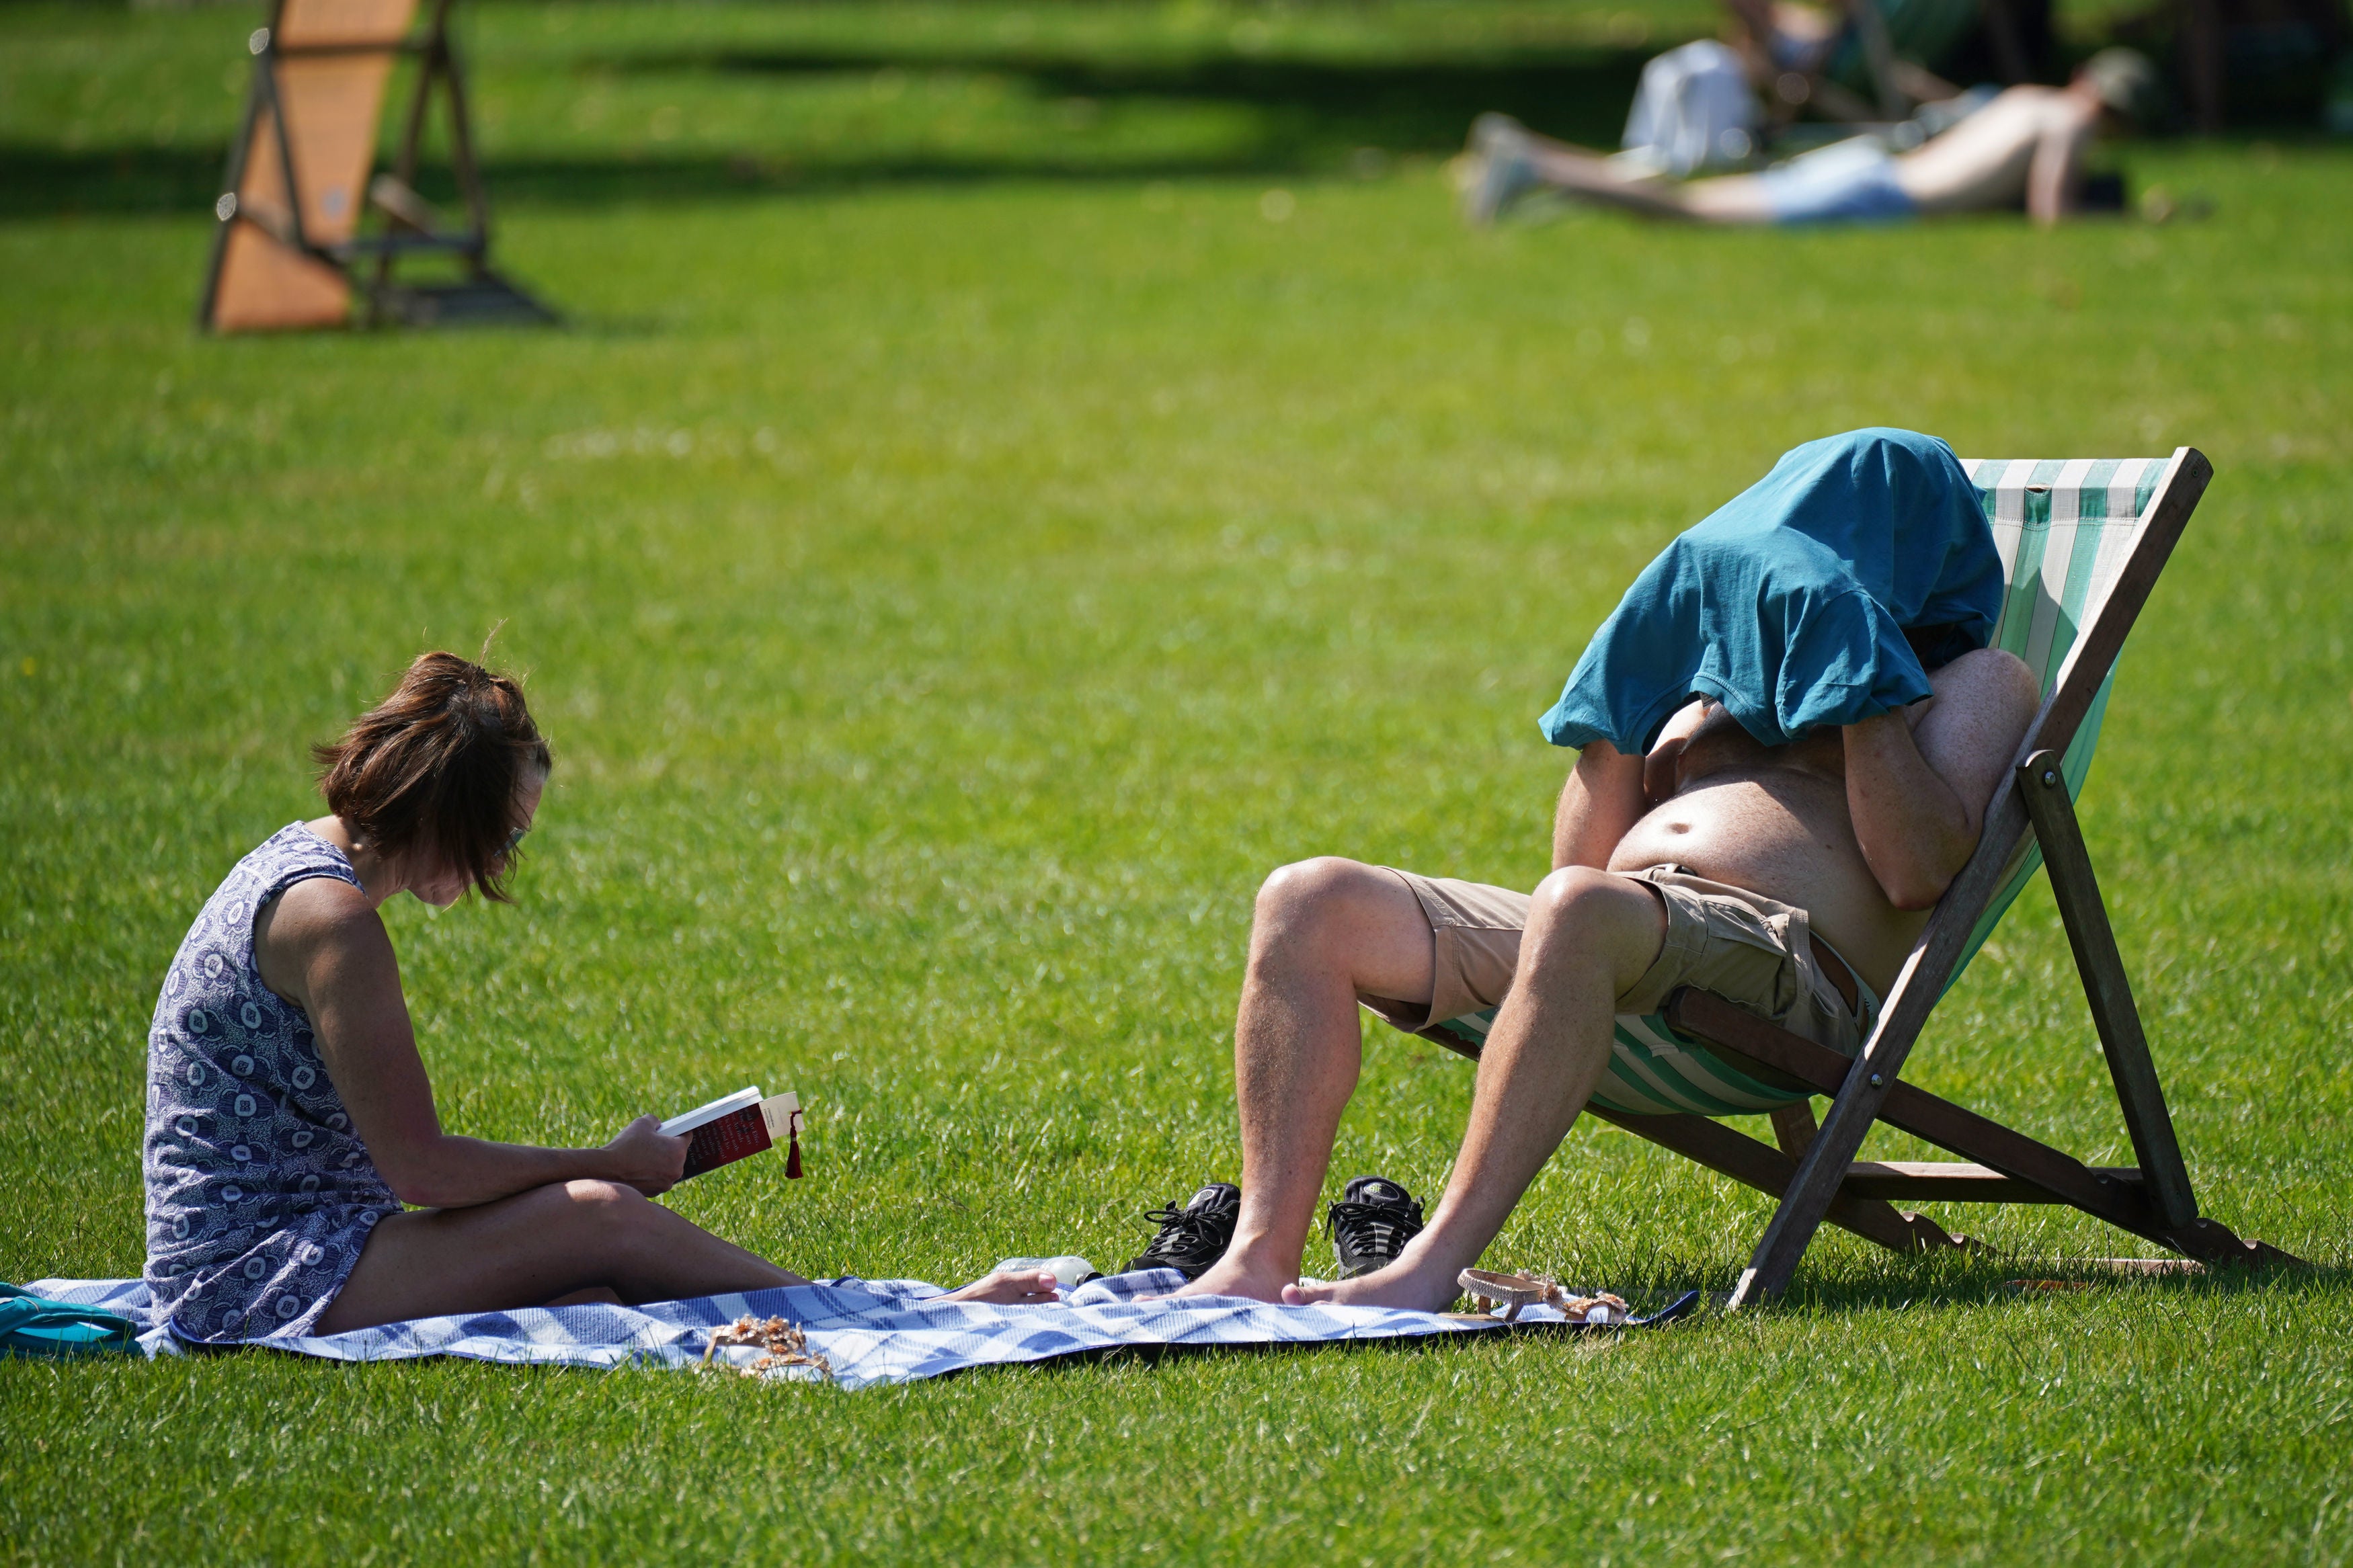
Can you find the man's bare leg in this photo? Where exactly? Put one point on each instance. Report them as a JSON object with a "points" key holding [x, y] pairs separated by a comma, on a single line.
{"points": [[1590, 936], [1325, 930]]}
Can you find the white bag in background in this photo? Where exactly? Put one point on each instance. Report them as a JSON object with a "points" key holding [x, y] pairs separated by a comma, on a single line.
{"points": [[1693, 110]]}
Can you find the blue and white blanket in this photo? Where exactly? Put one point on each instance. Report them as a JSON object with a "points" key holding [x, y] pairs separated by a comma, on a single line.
{"points": [[869, 1331]]}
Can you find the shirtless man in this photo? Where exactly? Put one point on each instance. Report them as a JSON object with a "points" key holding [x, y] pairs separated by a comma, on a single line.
{"points": [[1799, 874], [2028, 142]]}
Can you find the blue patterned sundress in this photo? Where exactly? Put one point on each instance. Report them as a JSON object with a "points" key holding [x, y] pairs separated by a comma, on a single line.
{"points": [[259, 1194]]}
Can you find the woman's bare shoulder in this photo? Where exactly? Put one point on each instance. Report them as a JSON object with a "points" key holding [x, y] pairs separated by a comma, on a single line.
{"points": [[314, 910]]}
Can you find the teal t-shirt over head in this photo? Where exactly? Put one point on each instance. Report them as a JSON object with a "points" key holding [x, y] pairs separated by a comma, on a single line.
{"points": [[1812, 597]]}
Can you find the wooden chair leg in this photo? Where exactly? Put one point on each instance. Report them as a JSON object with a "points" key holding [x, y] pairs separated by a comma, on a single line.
{"points": [[1759, 1165], [2107, 989], [1794, 1128], [2050, 1175]]}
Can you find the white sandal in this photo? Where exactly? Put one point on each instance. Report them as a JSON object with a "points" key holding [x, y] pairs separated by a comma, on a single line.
{"points": [[1514, 1293]]}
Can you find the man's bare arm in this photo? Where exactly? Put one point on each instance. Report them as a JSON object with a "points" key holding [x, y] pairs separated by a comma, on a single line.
{"points": [[1917, 782], [1600, 802], [1607, 792]]}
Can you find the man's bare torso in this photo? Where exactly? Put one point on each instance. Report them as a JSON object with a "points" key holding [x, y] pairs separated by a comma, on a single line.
{"points": [[1774, 819]]}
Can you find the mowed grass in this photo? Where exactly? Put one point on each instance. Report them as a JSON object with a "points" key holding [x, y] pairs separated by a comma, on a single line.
{"points": [[949, 594]]}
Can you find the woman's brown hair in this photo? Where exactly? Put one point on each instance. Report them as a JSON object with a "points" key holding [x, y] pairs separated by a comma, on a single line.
{"points": [[435, 767]]}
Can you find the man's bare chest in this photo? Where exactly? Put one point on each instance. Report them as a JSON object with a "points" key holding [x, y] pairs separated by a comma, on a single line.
{"points": [[1775, 820]]}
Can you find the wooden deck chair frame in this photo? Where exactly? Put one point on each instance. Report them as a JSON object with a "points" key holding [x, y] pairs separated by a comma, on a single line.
{"points": [[1814, 1172], [365, 263]]}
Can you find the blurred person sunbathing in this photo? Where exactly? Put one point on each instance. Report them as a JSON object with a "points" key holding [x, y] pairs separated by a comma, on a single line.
{"points": [[1788, 733], [289, 1115], [2027, 144]]}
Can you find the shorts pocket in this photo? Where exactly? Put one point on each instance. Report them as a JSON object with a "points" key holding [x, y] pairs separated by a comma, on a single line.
{"points": [[1749, 958]]}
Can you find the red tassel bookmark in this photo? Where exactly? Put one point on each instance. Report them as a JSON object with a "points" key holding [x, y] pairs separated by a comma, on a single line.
{"points": [[783, 1113]]}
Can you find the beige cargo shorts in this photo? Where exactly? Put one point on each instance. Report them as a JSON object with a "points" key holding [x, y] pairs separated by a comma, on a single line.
{"points": [[1752, 950]]}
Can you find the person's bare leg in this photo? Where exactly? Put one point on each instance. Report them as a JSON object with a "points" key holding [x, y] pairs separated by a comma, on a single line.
{"points": [[1723, 198], [562, 1240], [1590, 936], [1325, 930], [568, 1242]]}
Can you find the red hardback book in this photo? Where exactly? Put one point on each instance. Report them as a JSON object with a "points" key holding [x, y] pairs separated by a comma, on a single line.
{"points": [[738, 1124]]}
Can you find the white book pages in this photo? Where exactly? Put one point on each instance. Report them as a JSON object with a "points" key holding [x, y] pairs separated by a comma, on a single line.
{"points": [[679, 1126]]}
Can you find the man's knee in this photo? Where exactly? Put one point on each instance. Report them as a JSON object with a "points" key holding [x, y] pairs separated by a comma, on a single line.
{"points": [[1578, 914], [1308, 893], [1573, 894]]}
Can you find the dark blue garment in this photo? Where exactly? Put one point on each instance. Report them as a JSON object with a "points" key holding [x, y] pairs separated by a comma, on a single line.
{"points": [[261, 1195], [1791, 605]]}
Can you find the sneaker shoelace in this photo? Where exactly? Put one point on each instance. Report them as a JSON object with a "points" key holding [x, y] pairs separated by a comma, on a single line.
{"points": [[1374, 1230], [1183, 1232]]}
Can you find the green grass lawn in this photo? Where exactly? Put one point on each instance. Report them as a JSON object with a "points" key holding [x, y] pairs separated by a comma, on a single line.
{"points": [[959, 543]]}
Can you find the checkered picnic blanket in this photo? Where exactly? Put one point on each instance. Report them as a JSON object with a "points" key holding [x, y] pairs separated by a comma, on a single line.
{"points": [[869, 1331]]}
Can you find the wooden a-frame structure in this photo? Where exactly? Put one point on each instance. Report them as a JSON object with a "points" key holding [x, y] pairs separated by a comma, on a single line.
{"points": [[289, 252]]}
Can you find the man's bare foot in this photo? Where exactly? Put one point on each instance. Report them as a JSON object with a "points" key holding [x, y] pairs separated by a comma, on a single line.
{"points": [[1402, 1284], [1232, 1275], [1025, 1288]]}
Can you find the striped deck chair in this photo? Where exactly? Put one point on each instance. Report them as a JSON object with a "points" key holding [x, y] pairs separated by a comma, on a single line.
{"points": [[2081, 543]]}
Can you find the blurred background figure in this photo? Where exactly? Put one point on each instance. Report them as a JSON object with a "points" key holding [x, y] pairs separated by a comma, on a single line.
{"points": [[2023, 144], [1712, 105], [1862, 60]]}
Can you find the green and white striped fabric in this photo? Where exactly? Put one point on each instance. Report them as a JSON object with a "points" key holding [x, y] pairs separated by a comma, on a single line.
{"points": [[2064, 530]]}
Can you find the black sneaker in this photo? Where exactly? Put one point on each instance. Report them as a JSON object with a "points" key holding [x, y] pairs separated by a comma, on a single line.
{"points": [[1371, 1224], [1194, 1237]]}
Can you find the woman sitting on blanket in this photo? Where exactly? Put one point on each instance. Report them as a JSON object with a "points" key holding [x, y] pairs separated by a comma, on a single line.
{"points": [[288, 1117]]}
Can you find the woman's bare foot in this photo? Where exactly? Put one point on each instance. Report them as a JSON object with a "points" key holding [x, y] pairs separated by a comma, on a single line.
{"points": [[1402, 1284], [1024, 1289]]}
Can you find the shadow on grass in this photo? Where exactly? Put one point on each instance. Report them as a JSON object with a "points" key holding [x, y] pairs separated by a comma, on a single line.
{"points": [[44, 182], [1996, 1280], [1310, 117], [1308, 106]]}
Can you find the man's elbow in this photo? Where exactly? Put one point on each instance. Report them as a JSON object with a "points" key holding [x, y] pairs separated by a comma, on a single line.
{"points": [[1914, 894], [1918, 886]]}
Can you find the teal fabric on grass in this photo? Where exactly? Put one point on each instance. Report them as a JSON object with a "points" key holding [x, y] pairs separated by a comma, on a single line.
{"points": [[1798, 604], [34, 1325]]}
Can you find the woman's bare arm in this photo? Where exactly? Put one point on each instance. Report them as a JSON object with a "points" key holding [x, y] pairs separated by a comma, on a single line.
{"points": [[322, 947]]}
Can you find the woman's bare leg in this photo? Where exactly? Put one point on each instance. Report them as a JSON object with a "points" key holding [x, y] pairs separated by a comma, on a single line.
{"points": [[569, 1242]]}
